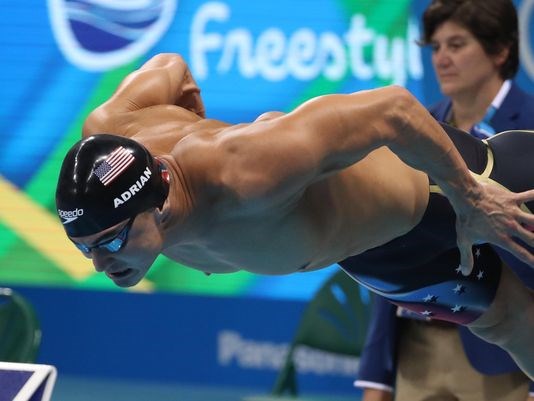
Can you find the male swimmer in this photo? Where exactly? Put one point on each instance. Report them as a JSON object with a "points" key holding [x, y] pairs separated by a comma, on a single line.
{"points": [[343, 178]]}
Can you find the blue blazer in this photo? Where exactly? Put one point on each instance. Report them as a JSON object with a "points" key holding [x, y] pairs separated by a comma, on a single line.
{"points": [[378, 360]]}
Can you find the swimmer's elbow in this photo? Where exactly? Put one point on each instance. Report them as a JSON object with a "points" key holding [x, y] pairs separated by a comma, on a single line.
{"points": [[164, 60], [399, 112]]}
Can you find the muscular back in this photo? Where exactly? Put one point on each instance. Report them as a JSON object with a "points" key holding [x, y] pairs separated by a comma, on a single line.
{"points": [[276, 195]]}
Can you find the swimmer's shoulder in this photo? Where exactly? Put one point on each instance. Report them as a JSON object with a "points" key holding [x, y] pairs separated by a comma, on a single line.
{"points": [[96, 122]]}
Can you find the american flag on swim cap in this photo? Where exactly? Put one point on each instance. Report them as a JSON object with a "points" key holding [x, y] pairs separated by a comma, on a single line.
{"points": [[114, 165]]}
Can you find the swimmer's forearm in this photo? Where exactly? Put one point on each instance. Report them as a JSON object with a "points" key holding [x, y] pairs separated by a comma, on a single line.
{"points": [[346, 128], [421, 142]]}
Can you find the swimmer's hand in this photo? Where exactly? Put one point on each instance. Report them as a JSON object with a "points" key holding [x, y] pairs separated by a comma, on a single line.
{"points": [[493, 214]]}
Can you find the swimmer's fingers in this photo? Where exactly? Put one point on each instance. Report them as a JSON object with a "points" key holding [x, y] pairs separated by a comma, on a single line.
{"points": [[514, 223], [525, 229], [524, 197], [466, 253], [518, 250], [526, 219], [522, 230], [497, 219]]}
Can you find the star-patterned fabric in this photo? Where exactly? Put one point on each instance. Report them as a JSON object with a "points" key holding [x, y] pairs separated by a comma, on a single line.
{"points": [[438, 290], [420, 272]]}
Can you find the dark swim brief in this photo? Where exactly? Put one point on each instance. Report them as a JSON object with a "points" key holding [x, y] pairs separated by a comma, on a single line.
{"points": [[434, 288], [419, 270]]}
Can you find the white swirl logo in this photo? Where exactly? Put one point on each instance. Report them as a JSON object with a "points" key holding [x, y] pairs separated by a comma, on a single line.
{"points": [[526, 12], [98, 35]]}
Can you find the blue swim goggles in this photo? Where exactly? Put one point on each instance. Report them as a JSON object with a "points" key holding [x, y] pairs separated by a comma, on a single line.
{"points": [[113, 245]]}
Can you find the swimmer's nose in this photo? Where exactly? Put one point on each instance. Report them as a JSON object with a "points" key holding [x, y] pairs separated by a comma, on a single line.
{"points": [[100, 260]]}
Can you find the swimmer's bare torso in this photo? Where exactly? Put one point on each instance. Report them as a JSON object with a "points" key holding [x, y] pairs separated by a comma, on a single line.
{"points": [[287, 192], [225, 201]]}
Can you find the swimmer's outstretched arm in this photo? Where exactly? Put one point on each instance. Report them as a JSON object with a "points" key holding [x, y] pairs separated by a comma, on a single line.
{"points": [[332, 132], [164, 79]]}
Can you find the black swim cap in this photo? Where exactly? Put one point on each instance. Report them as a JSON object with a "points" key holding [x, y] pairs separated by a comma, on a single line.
{"points": [[105, 179]]}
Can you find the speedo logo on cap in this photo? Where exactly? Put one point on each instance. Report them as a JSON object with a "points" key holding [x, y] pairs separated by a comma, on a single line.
{"points": [[69, 216], [134, 189]]}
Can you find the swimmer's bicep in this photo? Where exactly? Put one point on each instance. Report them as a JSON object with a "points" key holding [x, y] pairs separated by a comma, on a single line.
{"points": [[344, 129], [276, 158]]}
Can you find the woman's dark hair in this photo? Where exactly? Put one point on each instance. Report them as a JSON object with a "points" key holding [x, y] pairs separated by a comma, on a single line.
{"points": [[492, 22]]}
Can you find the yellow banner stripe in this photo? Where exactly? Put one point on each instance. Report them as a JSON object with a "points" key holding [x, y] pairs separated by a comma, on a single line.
{"points": [[38, 228], [42, 231]]}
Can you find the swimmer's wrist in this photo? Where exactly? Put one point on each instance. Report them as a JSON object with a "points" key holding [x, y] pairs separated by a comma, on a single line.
{"points": [[464, 193]]}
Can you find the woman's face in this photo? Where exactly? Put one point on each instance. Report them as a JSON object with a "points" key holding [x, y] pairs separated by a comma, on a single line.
{"points": [[460, 62]]}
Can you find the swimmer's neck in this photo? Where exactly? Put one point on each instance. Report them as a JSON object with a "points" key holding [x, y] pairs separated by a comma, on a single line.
{"points": [[176, 214]]}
